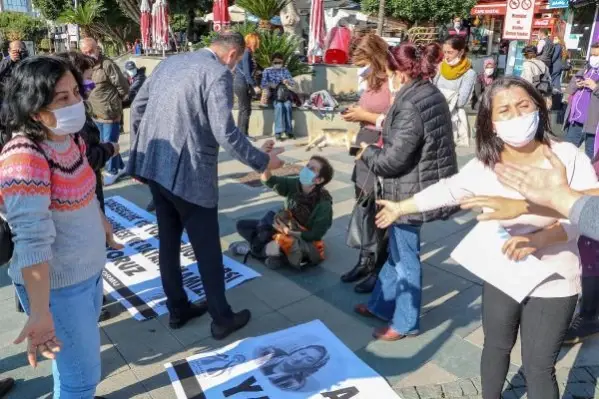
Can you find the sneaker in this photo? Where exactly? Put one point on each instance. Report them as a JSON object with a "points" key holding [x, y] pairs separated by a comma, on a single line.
{"points": [[290, 136], [272, 249], [581, 329], [239, 248], [178, 320], [110, 179], [238, 321]]}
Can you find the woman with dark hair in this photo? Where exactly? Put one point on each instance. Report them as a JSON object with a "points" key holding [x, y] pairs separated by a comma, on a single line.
{"points": [[513, 127], [417, 151], [372, 53], [47, 195], [456, 81]]}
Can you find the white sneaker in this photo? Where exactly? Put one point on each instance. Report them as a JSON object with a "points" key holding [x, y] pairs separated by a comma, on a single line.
{"points": [[110, 179]]}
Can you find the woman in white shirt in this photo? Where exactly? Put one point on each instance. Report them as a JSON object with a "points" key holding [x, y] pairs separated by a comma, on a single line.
{"points": [[513, 126]]}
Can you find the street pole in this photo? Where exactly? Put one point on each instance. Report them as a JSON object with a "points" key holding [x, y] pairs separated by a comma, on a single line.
{"points": [[381, 19], [77, 29]]}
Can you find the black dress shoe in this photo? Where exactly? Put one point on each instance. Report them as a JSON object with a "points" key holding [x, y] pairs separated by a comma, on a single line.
{"points": [[367, 286], [6, 385], [237, 323], [361, 270], [104, 315], [151, 206], [179, 319]]}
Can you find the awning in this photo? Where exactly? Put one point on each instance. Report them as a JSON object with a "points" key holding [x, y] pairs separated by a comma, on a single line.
{"points": [[499, 7]]}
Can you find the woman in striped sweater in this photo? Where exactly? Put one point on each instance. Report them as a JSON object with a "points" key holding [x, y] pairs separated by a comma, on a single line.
{"points": [[47, 195]]}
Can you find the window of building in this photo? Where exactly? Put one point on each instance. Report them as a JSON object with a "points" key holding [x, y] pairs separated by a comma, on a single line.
{"points": [[16, 5]]}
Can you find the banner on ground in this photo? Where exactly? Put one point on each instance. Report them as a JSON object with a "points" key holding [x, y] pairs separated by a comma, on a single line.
{"points": [[303, 362], [132, 275]]}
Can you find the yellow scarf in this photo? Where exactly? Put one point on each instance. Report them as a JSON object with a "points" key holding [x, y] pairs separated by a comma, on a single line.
{"points": [[455, 72]]}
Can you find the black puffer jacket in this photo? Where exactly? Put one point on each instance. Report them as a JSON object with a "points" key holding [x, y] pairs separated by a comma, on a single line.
{"points": [[418, 148]]}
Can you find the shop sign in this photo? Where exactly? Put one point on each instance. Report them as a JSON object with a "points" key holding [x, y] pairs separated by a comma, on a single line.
{"points": [[543, 23], [518, 19], [559, 3], [500, 7]]}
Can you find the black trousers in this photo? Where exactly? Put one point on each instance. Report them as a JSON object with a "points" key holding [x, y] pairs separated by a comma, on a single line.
{"points": [[380, 257], [543, 323], [244, 93], [175, 214]]}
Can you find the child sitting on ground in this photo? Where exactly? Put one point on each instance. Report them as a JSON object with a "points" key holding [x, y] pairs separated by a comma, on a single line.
{"points": [[293, 235]]}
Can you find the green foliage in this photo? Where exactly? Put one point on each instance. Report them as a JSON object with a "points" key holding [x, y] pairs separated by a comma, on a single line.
{"points": [[265, 10], [270, 43], [284, 44], [438, 11], [51, 9], [45, 44], [21, 26], [178, 22], [86, 15]]}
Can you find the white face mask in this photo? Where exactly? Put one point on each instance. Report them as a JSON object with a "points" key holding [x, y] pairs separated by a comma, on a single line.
{"points": [[594, 61], [392, 87], [457, 25], [518, 132], [69, 120], [132, 72], [454, 62], [489, 71]]}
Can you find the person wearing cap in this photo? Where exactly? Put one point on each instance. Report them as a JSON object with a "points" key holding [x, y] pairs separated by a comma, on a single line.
{"points": [[137, 77], [484, 80]]}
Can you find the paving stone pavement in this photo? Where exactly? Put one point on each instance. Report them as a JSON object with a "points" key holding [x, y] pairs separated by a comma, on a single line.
{"points": [[442, 362]]}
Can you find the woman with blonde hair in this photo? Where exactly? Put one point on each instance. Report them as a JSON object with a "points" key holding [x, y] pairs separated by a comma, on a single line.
{"points": [[373, 58], [245, 85]]}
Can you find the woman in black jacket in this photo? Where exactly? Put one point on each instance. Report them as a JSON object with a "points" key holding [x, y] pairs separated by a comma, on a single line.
{"points": [[98, 153], [418, 151]]}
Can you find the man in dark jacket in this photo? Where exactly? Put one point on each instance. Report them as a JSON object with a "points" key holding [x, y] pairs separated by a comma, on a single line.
{"points": [[16, 52], [137, 77], [545, 48]]}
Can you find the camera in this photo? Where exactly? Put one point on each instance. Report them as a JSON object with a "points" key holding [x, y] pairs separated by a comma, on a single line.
{"points": [[23, 53]]}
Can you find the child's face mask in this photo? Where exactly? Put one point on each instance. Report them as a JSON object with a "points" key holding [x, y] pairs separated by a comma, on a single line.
{"points": [[307, 176]]}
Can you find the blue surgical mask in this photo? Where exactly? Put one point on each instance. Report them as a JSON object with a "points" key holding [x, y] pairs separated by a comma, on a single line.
{"points": [[307, 176]]}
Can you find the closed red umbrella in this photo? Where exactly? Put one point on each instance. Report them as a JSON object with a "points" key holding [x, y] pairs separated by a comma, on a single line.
{"points": [[144, 23], [160, 27], [220, 15], [317, 32]]}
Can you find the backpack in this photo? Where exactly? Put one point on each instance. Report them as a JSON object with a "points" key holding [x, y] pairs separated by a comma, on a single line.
{"points": [[542, 81]]}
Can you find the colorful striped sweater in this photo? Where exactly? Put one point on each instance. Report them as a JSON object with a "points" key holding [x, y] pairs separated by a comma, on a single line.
{"points": [[49, 202]]}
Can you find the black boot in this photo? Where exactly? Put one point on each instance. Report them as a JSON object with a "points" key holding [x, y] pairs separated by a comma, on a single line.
{"points": [[362, 269], [367, 286]]}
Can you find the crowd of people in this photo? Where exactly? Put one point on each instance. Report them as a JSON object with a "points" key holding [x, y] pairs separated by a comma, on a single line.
{"points": [[61, 121]]}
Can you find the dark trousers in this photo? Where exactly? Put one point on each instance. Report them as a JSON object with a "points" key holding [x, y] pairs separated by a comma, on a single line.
{"points": [[244, 95], [576, 135], [543, 323], [380, 257], [175, 214]]}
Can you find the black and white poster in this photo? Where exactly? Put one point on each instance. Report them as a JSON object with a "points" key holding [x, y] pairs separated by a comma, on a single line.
{"points": [[132, 275], [303, 362]]}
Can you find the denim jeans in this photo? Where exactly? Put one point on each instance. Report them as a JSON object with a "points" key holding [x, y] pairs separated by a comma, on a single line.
{"points": [[398, 291], [109, 133], [283, 117], [75, 311], [576, 136], [175, 214]]}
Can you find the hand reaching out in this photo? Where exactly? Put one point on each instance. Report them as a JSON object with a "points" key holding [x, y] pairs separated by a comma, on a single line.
{"points": [[41, 337], [389, 213], [502, 208]]}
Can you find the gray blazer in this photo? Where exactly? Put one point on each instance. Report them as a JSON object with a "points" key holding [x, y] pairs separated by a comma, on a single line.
{"points": [[592, 122], [179, 118]]}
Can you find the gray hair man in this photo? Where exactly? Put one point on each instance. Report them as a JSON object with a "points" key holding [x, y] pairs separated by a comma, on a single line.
{"points": [[106, 101], [179, 118]]}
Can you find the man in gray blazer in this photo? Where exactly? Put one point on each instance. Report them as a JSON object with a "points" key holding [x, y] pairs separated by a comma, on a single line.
{"points": [[180, 117]]}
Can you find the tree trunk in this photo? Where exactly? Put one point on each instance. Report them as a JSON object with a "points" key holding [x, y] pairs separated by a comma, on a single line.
{"points": [[381, 19], [131, 9]]}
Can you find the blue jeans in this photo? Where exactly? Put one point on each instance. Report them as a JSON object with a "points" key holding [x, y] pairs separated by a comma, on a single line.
{"points": [[398, 291], [109, 133], [576, 136], [75, 311], [283, 117]]}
